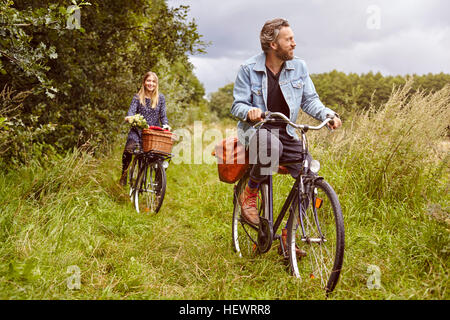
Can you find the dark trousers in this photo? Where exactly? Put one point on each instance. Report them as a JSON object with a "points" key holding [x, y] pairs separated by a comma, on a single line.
{"points": [[127, 154], [270, 147]]}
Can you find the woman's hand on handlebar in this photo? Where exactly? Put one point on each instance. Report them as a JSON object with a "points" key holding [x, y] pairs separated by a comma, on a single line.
{"points": [[127, 119], [254, 114]]}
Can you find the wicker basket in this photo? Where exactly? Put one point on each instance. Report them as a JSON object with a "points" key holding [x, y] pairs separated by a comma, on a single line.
{"points": [[157, 141]]}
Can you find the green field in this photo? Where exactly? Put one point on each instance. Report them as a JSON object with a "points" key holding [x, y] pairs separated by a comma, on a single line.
{"points": [[391, 175], [74, 213]]}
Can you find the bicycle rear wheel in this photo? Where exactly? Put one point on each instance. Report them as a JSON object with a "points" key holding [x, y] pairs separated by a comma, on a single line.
{"points": [[150, 187], [245, 236], [322, 238]]}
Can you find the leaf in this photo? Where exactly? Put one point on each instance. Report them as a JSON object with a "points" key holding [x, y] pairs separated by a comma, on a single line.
{"points": [[49, 94], [2, 125], [62, 10]]}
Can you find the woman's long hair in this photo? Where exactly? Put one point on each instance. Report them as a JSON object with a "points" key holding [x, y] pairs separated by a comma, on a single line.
{"points": [[143, 91]]}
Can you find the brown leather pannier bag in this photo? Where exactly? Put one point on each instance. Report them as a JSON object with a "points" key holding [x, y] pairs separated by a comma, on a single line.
{"points": [[232, 160]]}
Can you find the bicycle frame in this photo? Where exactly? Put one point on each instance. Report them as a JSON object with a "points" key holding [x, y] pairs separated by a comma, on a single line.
{"points": [[150, 156], [145, 158], [297, 190]]}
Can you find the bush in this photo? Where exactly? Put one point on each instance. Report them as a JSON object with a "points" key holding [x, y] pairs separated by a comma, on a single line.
{"points": [[221, 101], [21, 142]]}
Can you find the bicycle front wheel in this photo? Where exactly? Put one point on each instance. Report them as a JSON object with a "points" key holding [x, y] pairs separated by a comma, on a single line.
{"points": [[150, 188], [133, 173], [317, 228]]}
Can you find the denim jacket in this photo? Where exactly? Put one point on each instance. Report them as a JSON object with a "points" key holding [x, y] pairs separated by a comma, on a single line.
{"points": [[250, 90]]}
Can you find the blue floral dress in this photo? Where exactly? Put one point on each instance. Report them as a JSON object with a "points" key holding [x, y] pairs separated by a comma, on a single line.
{"points": [[154, 117]]}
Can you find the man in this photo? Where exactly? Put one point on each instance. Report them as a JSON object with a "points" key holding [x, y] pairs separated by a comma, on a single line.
{"points": [[276, 81]]}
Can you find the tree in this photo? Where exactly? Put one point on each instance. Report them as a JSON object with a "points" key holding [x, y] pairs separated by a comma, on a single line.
{"points": [[345, 93], [82, 79], [221, 101]]}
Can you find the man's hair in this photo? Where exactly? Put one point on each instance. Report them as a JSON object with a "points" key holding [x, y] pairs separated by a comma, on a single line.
{"points": [[270, 31]]}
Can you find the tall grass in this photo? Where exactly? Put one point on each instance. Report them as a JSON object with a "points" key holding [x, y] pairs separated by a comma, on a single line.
{"points": [[390, 154], [392, 176], [391, 180]]}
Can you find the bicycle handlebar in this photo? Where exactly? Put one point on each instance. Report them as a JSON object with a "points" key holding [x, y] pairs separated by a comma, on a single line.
{"points": [[268, 116]]}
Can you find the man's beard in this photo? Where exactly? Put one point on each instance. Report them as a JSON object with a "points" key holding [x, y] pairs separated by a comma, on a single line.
{"points": [[284, 55]]}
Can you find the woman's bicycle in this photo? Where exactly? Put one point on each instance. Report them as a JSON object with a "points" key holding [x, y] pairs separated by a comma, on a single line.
{"points": [[314, 243], [147, 177]]}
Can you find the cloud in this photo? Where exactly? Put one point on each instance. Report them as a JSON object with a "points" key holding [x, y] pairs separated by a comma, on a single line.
{"points": [[412, 51], [413, 35], [217, 72]]}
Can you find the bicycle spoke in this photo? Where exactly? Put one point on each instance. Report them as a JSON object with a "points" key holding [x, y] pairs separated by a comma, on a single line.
{"points": [[245, 235], [322, 240], [319, 260], [152, 184]]}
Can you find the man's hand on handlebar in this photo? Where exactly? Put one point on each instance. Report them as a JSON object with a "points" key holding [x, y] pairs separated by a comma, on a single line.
{"points": [[254, 114], [335, 123]]}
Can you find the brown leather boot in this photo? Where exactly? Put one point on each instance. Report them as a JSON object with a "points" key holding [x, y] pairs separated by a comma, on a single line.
{"points": [[299, 252], [247, 201]]}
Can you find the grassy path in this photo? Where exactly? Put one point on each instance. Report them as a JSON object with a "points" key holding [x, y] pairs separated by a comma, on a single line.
{"points": [[73, 213]]}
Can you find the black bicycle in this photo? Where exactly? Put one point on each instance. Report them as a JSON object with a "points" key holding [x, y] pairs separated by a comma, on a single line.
{"points": [[147, 180], [315, 226]]}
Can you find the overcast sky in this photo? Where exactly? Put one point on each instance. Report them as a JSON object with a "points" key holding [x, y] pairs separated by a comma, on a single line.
{"points": [[390, 36]]}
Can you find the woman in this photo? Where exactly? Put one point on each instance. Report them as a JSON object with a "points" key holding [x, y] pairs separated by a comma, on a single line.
{"points": [[151, 104]]}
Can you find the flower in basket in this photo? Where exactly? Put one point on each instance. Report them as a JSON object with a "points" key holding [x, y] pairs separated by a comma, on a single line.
{"points": [[138, 121]]}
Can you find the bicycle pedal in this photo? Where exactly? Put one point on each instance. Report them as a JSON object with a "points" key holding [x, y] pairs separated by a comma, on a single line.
{"points": [[243, 220]]}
